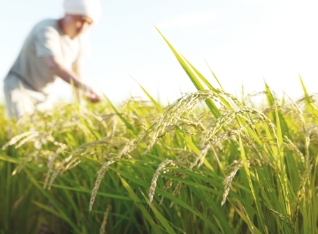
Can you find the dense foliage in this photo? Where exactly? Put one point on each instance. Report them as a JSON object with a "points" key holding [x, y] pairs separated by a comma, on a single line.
{"points": [[208, 163]]}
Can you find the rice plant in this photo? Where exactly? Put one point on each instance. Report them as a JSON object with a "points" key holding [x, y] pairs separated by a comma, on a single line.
{"points": [[208, 163]]}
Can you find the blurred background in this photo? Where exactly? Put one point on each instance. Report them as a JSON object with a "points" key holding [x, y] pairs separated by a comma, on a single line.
{"points": [[243, 41]]}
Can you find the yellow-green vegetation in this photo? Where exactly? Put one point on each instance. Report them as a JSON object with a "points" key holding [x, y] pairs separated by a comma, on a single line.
{"points": [[208, 163]]}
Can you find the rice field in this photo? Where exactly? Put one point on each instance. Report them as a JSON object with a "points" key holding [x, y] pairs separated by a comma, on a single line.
{"points": [[208, 163]]}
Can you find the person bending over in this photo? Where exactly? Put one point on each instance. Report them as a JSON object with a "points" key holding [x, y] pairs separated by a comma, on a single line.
{"points": [[54, 48]]}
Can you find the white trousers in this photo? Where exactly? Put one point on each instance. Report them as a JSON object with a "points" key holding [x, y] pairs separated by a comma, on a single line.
{"points": [[21, 99]]}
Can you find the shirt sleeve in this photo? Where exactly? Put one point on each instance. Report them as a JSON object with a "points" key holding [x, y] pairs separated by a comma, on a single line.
{"points": [[84, 48], [47, 42]]}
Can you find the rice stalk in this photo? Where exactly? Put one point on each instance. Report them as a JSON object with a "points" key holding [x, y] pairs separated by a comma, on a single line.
{"points": [[301, 193], [104, 223], [287, 220], [153, 184], [100, 176], [228, 180]]}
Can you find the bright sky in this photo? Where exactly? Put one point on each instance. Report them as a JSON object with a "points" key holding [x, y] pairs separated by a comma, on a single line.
{"points": [[244, 42]]}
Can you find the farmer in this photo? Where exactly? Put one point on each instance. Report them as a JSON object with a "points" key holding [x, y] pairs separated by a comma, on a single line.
{"points": [[54, 48]]}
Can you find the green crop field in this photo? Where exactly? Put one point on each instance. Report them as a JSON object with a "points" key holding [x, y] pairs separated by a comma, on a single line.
{"points": [[208, 163]]}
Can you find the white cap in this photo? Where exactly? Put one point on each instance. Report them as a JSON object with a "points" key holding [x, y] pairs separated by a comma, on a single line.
{"points": [[89, 8]]}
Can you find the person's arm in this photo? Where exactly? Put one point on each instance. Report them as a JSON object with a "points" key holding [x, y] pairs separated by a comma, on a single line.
{"points": [[76, 67], [70, 77]]}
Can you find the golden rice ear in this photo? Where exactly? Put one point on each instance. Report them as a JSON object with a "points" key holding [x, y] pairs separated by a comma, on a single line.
{"points": [[153, 184], [228, 180], [104, 223], [100, 176]]}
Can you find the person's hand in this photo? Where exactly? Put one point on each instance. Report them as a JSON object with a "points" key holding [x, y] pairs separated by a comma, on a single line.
{"points": [[91, 95]]}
